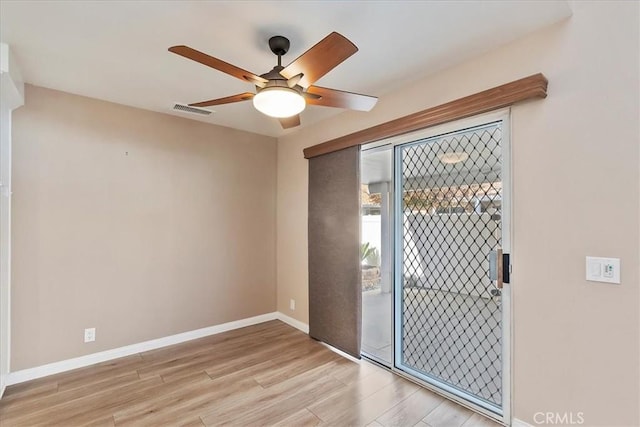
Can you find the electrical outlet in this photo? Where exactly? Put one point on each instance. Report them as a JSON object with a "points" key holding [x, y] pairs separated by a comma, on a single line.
{"points": [[292, 305], [89, 334]]}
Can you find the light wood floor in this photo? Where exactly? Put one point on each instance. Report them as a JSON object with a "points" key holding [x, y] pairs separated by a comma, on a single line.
{"points": [[267, 374]]}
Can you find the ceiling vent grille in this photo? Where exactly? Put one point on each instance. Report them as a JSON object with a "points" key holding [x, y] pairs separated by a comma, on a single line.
{"points": [[192, 110]]}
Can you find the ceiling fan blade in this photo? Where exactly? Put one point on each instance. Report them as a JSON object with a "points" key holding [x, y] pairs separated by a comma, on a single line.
{"points": [[290, 122], [340, 99], [218, 64], [226, 100], [320, 59]]}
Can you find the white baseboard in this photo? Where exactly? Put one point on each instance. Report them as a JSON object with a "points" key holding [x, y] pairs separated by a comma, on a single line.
{"points": [[293, 322], [103, 356]]}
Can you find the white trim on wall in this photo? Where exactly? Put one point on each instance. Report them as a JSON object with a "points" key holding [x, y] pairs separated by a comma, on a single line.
{"points": [[11, 97], [293, 322], [103, 356]]}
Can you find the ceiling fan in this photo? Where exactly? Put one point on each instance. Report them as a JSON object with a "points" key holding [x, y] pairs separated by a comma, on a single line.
{"points": [[284, 92]]}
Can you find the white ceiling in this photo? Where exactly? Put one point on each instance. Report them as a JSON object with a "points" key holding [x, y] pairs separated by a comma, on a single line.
{"points": [[117, 51]]}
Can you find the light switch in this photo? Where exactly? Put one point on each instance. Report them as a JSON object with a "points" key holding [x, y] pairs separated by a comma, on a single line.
{"points": [[595, 269], [603, 269]]}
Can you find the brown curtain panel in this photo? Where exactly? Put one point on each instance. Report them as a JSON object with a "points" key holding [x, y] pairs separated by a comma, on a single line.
{"points": [[335, 292]]}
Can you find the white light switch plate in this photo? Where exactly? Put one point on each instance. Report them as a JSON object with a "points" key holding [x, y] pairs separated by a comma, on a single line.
{"points": [[605, 270]]}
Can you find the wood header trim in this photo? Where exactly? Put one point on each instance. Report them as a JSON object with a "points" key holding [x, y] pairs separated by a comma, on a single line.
{"points": [[531, 87]]}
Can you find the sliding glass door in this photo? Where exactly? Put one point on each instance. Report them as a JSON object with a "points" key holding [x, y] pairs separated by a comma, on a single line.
{"points": [[445, 193], [450, 208]]}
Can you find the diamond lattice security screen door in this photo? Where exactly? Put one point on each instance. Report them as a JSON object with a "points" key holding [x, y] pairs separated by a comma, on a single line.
{"points": [[450, 214]]}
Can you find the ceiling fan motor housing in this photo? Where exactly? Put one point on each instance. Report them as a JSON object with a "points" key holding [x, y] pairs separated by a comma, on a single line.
{"points": [[279, 45], [275, 79]]}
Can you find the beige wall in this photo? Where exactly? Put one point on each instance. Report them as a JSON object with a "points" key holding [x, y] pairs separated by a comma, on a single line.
{"points": [[576, 193], [176, 235]]}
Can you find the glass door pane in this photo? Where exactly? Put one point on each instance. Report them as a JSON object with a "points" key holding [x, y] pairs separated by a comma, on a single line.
{"points": [[376, 254]]}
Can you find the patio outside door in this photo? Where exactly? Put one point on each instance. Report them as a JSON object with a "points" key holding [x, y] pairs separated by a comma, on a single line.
{"points": [[451, 211], [376, 167]]}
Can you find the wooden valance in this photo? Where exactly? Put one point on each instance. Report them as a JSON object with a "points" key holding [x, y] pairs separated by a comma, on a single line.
{"points": [[534, 86]]}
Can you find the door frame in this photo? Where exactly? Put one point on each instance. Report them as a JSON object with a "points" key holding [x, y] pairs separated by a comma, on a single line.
{"points": [[503, 115], [11, 97]]}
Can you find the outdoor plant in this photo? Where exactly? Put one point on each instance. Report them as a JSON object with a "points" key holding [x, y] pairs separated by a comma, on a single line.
{"points": [[369, 255], [374, 258], [365, 251]]}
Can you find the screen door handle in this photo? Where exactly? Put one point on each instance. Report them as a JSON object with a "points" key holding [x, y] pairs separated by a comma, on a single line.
{"points": [[495, 267], [499, 267]]}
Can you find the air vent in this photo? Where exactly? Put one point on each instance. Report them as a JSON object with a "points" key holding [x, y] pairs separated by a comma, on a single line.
{"points": [[193, 110]]}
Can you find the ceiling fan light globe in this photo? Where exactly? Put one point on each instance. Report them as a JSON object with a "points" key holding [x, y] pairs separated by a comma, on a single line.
{"points": [[279, 102]]}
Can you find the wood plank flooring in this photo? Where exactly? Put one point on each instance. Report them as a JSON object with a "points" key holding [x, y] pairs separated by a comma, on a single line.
{"points": [[264, 375]]}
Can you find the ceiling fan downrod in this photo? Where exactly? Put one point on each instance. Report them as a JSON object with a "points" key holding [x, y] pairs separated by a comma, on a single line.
{"points": [[279, 45]]}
